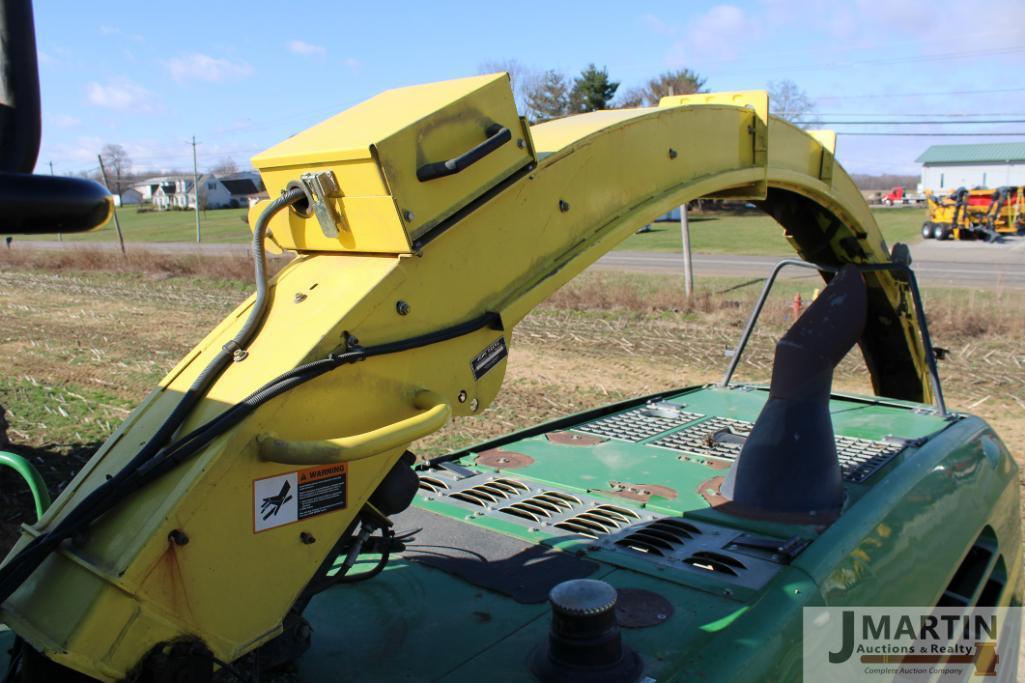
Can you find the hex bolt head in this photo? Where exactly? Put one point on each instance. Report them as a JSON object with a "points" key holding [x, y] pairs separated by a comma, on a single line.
{"points": [[299, 297], [563, 205], [521, 143], [401, 307], [239, 355], [462, 396], [673, 153], [307, 538], [473, 405], [408, 215], [178, 537]]}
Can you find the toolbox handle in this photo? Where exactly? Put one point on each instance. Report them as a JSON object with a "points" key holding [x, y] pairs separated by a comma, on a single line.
{"points": [[497, 134], [434, 413]]}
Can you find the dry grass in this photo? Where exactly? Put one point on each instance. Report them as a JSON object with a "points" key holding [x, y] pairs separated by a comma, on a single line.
{"points": [[231, 266]]}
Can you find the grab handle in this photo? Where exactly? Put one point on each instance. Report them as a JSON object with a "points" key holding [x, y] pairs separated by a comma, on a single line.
{"points": [[497, 134], [433, 416]]}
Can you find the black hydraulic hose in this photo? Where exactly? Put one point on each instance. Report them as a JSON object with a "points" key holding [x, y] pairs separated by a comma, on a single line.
{"points": [[92, 506], [111, 492]]}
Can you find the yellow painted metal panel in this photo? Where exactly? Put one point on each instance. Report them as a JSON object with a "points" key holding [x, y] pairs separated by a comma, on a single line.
{"points": [[375, 151]]}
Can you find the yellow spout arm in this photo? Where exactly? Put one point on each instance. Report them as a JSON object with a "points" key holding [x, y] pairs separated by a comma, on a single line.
{"points": [[433, 416]]}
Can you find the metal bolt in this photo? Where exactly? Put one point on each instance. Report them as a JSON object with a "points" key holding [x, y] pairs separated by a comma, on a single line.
{"points": [[408, 215], [401, 307], [239, 355], [673, 153], [473, 405], [300, 297], [178, 537], [462, 396], [307, 538], [563, 205], [521, 143]]}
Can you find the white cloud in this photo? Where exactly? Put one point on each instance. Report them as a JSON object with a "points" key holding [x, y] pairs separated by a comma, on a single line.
{"points": [[657, 26], [120, 93], [301, 47], [713, 35], [108, 30], [198, 66], [65, 121], [354, 65]]}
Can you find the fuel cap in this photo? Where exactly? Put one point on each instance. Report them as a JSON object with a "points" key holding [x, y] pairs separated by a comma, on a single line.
{"points": [[584, 644]]}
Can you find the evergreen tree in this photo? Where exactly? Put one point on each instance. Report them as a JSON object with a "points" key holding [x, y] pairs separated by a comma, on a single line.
{"points": [[592, 90]]}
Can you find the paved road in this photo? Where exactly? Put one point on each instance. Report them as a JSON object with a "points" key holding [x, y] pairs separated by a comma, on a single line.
{"points": [[958, 264]]}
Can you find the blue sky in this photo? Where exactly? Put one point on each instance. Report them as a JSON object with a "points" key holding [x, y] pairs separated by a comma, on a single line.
{"points": [[243, 76]]}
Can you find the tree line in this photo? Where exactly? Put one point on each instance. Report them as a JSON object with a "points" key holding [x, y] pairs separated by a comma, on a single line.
{"points": [[551, 94]]}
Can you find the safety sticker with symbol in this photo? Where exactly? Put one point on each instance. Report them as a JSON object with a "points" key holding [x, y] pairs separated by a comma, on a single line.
{"points": [[289, 497]]}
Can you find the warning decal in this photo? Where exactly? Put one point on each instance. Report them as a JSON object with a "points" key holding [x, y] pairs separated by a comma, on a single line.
{"points": [[489, 357], [289, 497]]}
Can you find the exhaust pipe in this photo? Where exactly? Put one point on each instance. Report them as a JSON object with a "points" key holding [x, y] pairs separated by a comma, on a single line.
{"points": [[789, 464]]}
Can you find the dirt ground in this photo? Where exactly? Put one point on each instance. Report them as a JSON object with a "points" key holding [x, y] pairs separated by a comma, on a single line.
{"points": [[78, 350]]}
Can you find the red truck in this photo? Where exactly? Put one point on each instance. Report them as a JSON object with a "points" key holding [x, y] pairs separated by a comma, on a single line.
{"points": [[897, 195]]}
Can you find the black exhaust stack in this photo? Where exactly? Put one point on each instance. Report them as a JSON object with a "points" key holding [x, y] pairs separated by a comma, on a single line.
{"points": [[788, 464]]}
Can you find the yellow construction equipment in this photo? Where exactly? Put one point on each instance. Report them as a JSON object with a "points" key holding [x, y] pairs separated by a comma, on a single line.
{"points": [[979, 213]]}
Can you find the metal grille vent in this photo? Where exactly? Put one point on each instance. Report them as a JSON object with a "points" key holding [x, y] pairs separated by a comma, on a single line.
{"points": [[707, 438], [724, 437], [660, 537], [640, 423], [715, 563], [491, 492], [861, 458], [432, 484], [599, 520], [542, 506]]}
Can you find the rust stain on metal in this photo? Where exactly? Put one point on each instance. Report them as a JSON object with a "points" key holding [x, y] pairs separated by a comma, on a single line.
{"points": [[641, 493], [574, 439], [503, 460], [167, 577], [711, 463], [710, 490]]}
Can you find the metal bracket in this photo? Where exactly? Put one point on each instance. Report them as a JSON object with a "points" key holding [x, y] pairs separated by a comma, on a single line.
{"points": [[321, 188]]}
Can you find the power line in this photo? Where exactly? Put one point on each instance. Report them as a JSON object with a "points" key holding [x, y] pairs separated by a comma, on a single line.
{"points": [[907, 123], [931, 135], [936, 93]]}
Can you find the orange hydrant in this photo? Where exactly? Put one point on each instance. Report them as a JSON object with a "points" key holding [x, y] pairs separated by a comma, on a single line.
{"points": [[796, 306]]}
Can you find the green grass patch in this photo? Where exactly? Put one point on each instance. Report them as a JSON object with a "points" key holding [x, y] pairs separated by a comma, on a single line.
{"points": [[757, 234], [753, 233], [216, 226], [68, 414]]}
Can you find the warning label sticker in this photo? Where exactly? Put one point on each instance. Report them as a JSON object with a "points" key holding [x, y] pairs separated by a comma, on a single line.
{"points": [[289, 497], [489, 357]]}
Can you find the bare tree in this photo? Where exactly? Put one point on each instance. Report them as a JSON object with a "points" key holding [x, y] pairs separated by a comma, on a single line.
{"points": [[790, 103], [117, 163], [548, 97], [225, 166], [520, 77], [680, 82]]}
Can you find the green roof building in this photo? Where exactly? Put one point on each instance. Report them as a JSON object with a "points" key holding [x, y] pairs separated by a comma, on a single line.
{"points": [[992, 164]]}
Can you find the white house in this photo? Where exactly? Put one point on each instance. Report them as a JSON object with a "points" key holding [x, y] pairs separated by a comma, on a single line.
{"points": [[994, 164], [178, 193], [244, 188], [128, 197]]}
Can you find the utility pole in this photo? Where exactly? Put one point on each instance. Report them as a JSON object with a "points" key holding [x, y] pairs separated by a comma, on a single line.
{"points": [[60, 235], [117, 223], [688, 266], [195, 185]]}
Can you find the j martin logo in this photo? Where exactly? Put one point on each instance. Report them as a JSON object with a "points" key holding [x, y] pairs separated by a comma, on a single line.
{"points": [[911, 644]]}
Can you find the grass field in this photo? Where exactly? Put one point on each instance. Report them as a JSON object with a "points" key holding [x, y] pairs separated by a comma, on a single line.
{"points": [[752, 233], [80, 349], [757, 234]]}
